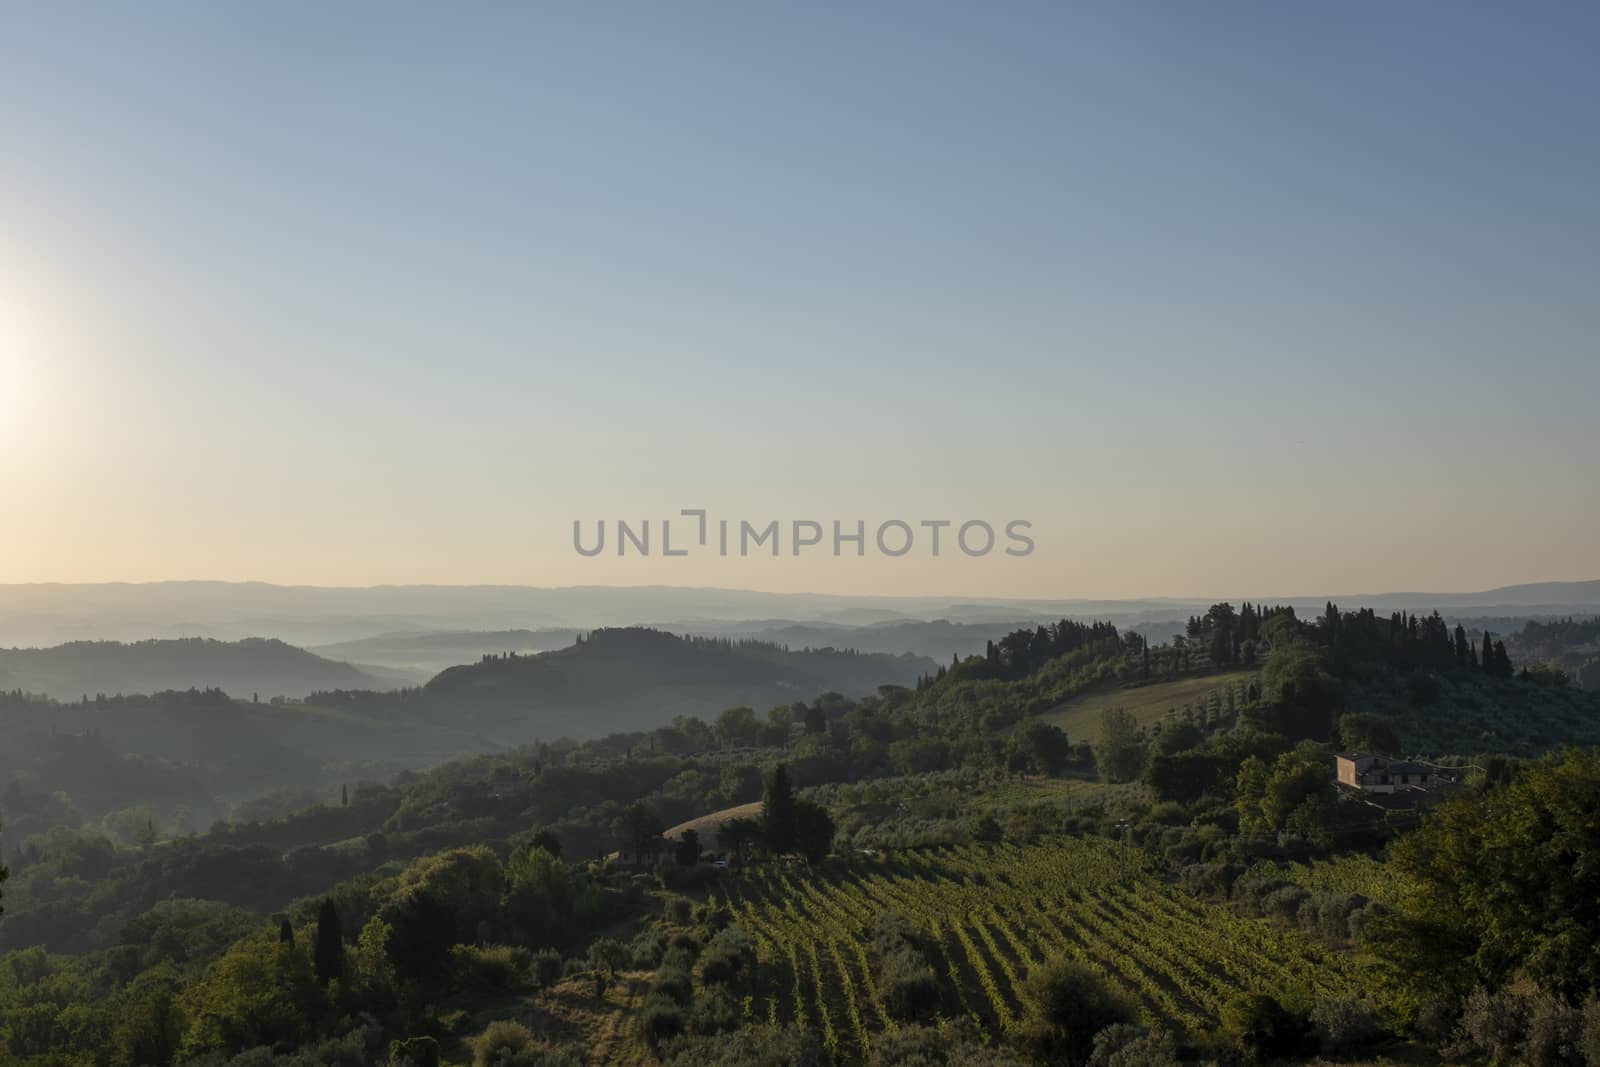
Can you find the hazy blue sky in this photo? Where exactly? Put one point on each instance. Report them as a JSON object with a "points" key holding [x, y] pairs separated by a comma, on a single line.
{"points": [[1225, 298]]}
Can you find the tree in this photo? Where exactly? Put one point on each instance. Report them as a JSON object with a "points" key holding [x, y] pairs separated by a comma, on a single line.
{"points": [[778, 824], [285, 933], [1295, 793], [737, 728], [1363, 731], [608, 955], [1119, 753], [5, 872], [816, 720], [1263, 1029], [737, 835], [638, 828], [260, 992], [688, 853], [548, 841], [1506, 884], [1068, 1004], [327, 957], [1039, 747], [540, 902], [1502, 662], [813, 831], [1187, 776]]}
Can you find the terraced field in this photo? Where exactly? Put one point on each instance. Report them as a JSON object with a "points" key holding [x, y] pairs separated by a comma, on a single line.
{"points": [[991, 912]]}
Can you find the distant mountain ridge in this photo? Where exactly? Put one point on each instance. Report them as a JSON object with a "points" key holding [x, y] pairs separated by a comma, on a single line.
{"points": [[47, 614], [254, 666]]}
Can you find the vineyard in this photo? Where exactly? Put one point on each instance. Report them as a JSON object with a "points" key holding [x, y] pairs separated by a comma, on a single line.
{"points": [[988, 913]]}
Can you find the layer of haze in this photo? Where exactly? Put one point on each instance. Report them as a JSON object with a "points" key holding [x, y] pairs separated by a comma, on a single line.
{"points": [[1221, 297]]}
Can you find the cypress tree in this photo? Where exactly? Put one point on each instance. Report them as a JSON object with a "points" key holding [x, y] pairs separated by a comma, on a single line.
{"points": [[778, 812], [1486, 660], [285, 933], [328, 957]]}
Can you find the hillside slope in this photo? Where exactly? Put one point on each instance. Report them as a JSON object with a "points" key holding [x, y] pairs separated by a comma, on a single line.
{"points": [[634, 678], [253, 666]]}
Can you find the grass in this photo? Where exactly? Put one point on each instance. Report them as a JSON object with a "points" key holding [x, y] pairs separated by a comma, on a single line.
{"points": [[708, 825], [1080, 716]]}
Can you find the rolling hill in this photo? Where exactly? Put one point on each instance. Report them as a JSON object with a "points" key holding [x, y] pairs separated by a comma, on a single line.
{"points": [[636, 678], [253, 666]]}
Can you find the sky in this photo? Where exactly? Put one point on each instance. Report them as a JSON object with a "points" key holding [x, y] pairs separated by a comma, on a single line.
{"points": [[1232, 299]]}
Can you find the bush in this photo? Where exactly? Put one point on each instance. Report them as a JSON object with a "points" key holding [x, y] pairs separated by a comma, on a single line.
{"points": [[714, 1012], [1262, 1029], [414, 1052], [1555, 1032], [679, 911], [1589, 1033], [1493, 1025], [683, 941], [646, 950], [1344, 1023], [490, 968], [957, 1044], [676, 959], [502, 1044], [1123, 1045], [729, 955], [660, 1020], [1069, 1004], [546, 967], [907, 984], [674, 985], [750, 1046]]}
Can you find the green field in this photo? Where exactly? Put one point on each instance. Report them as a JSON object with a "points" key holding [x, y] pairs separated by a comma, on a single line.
{"points": [[1080, 716], [989, 913]]}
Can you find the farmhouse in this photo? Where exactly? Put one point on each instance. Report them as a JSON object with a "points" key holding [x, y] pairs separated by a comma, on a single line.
{"points": [[1376, 774], [1392, 784]]}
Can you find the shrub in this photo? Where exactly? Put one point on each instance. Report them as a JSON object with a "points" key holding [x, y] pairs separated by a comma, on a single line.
{"points": [[1492, 1024], [660, 1020], [501, 1044], [907, 984], [1262, 1029], [729, 955], [1344, 1023], [1589, 1032], [674, 985], [1555, 1032], [714, 1012], [1123, 1045], [750, 1046], [414, 1052], [607, 954], [1069, 1004], [679, 911], [646, 950], [676, 959], [956, 1044], [683, 941], [488, 968], [546, 967]]}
